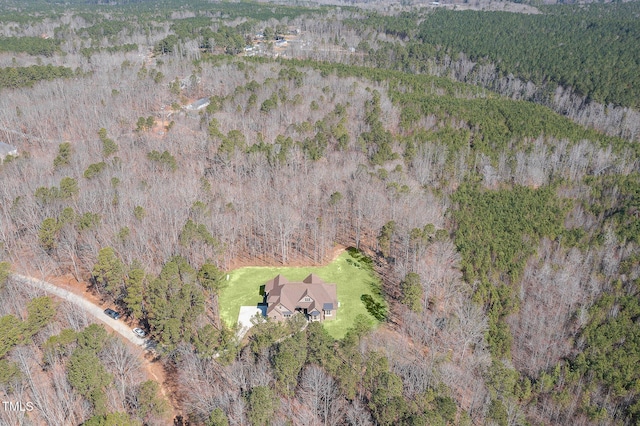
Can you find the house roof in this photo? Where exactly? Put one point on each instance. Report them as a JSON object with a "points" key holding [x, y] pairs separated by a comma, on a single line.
{"points": [[313, 279], [199, 104], [289, 294], [305, 294], [6, 149], [276, 282]]}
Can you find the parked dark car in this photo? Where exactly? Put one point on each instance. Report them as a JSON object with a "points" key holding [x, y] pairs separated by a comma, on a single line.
{"points": [[113, 314]]}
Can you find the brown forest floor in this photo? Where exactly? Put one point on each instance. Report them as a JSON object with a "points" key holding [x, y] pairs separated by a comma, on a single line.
{"points": [[153, 368], [236, 263]]}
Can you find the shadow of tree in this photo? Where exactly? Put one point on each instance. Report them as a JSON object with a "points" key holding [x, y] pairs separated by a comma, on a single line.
{"points": [[377, 309]]}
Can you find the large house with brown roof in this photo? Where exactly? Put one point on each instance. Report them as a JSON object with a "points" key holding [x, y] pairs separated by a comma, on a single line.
{"points": [[314, 298]]}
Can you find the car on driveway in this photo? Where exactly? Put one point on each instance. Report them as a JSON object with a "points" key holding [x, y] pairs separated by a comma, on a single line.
{"points": [[113, 314], [139, 332]]}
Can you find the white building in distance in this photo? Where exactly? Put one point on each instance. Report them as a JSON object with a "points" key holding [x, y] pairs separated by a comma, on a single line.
{"points": [[6, 149]]}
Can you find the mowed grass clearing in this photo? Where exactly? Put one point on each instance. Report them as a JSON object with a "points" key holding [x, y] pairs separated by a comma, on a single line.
{"points": [[353, 278]]}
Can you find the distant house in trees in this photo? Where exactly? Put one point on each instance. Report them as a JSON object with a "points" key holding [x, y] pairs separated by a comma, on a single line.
{"points": [[199, 104], [314, 298], [6, 150]]}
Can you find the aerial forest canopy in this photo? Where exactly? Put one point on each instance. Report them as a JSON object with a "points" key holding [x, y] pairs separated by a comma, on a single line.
{"points": [[592, 48], [579, 60], [467, 179]]}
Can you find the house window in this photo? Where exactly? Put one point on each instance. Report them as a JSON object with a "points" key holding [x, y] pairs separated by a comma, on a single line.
{"points": [[327, 313], [287, 315], [306, 299]]}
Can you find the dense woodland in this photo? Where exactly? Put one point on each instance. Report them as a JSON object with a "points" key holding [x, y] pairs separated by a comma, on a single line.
{"points": [[494, 194], [580, 61]]}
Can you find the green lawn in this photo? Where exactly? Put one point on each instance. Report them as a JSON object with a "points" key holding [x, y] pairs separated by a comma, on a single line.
{"points": [[352, 277]]}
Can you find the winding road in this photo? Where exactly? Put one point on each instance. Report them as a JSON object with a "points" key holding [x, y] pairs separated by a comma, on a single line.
{"points": [[119, 327], [95, 311]]}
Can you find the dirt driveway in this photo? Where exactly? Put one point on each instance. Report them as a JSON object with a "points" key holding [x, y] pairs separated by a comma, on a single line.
{"points": [[153, 368], [88, 307]]}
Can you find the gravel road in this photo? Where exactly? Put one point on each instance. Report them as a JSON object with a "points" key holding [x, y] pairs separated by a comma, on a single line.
{"points": [[95, 311]]}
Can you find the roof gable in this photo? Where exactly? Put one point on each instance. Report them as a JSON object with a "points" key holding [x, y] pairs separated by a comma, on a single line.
{"points": [[272, 286], [304, 296], [280, 279], [313, 279]]}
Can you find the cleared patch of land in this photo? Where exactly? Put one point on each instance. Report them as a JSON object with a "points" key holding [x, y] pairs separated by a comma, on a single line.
{"points": [[352, 276]]}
